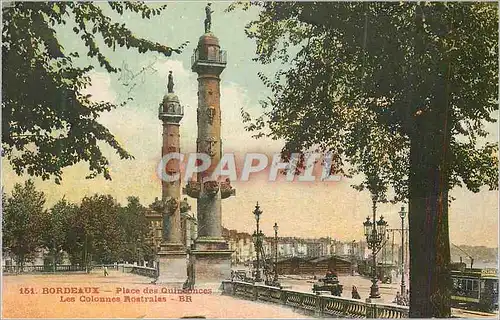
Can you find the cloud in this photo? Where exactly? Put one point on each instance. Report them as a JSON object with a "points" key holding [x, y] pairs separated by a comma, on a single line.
{"points": [[182, 76], [234, 135], [100, 87]]}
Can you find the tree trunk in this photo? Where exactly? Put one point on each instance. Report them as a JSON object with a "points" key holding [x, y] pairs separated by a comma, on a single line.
{"points": [[20, 263], [430, 130], [430, 282], [54, 257], [429, 250]]}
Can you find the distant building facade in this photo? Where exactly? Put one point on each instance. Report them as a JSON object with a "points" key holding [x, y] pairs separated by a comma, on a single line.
{"points": [[188, 226], [155, 220], [313, 266], [241, 243]]}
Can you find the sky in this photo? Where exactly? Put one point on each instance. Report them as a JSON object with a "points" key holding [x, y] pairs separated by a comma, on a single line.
{"points": [[301, 209]]}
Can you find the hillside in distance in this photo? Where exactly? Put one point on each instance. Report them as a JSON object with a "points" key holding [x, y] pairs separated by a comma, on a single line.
{"points": [[479, 253]]}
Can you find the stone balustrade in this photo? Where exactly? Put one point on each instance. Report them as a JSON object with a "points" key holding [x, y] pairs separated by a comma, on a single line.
{"points": [[320, 305], [110, 266], [41, 268], [58, 268], [142, 271]]}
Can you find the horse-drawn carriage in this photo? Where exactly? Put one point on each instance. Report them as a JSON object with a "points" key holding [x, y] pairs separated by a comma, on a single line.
{"points": [[329, 283]]}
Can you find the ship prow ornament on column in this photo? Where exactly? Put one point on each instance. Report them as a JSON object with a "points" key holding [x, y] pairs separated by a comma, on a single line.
{"points": [[172, 258], [211, 257]]}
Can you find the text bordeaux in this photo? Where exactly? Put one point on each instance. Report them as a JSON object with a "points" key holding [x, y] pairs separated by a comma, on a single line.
{"points": [[70, 290]]}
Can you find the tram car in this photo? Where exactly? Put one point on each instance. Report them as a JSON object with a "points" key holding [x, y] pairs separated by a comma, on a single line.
{"points": [[475, 289]]}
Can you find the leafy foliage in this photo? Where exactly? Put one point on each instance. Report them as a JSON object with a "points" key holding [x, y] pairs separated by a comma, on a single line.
{"points": [[135, 226], [103, 231], [98, 229], [358, 86], [96, 233], [47, 122], [22, 218], [55, 227], [399, 92]]}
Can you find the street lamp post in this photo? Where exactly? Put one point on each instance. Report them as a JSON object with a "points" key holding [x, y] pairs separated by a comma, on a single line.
{"points": [[375, 234], [275, 227], [402, 214], [257, 212]]}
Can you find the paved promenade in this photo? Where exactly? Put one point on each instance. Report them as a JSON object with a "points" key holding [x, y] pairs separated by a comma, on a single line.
{"points": [[43, 296]]}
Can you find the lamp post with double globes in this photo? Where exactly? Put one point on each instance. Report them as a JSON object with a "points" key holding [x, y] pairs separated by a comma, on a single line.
{"points": [[257, 235], [402, 215], [375, 234], [258, 239]]}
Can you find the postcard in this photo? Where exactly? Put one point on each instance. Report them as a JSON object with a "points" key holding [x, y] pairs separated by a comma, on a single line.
{"points": [[249, 159]]}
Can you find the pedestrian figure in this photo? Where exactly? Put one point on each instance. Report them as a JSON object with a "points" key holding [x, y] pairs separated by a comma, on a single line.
{"points": [[185, 285], [399, 299], [105, 271], [406, 298], [355, 293]]}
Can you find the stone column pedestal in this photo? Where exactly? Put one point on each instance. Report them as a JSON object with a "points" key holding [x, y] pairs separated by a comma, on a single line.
{"points": [[211, 261], [172, 265]]}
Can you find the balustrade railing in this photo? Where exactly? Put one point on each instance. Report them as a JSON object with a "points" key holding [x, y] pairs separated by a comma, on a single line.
{"points": [[41, 268], [143, 271], [323, 305], [215, 56], [109, 266]]}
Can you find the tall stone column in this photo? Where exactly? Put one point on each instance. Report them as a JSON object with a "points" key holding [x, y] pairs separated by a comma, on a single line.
{"points": [[209, 140], [211, 257], [172, 254]]}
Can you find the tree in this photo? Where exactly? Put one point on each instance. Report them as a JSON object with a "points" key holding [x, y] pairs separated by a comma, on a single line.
{"points": [[55, 227], [21, 221], [135, 228], [55, 125], [74, 242], [423, 75], [95, 234]]}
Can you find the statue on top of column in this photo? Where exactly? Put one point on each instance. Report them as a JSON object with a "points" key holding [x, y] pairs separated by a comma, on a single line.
{"points": [[208, 19], [170, 85]]}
